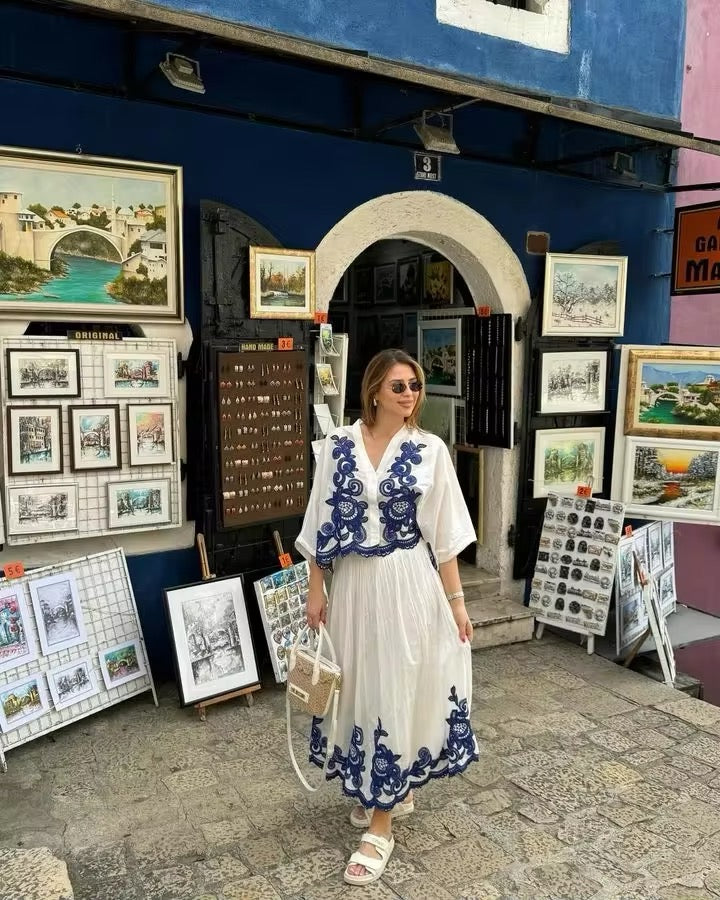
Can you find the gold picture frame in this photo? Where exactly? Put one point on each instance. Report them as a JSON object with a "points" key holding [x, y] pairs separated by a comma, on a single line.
{"points": [[286, 291], [673, 392]]}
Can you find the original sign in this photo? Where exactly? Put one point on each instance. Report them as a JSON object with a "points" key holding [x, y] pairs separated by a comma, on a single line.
{"points": [[696, 250], [427, 167], [94, 334]]}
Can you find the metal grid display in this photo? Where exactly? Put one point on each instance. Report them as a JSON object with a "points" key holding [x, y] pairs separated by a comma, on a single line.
{"points": [[92, 490], [111, 617]]}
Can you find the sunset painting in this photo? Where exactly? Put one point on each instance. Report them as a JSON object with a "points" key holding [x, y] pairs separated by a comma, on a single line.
{"points": [[678, 477]]}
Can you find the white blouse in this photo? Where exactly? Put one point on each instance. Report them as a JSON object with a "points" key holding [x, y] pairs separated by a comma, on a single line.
{"points": [[412, 495]]}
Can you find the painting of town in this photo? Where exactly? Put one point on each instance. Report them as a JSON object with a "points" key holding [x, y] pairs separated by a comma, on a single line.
{"points": [[88, 237], [573, 382], [42, 373], [672, 476], [282, 283], [213, 638], [35, 438], [440, 355], [566, 458], [135, 376], [16, 643], [584, 295], [38, 509], [21, 702], [137, 503], [673, 393], [71, 684], [150, 434], [58, 612], [94, 434], [121, 663]]}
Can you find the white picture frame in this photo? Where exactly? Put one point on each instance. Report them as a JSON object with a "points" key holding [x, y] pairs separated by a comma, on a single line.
{"points": [[17, 642], [58, 612], [640, 549], [41, 509], [34, 440], [631, 619], [133, 374], [150, 434], [72, 683], [440, 355], [573, 382], [668, 539], [566, 458], [667, 591], [669, 479], [122, 662], [584, 295], [28, 694], [655, 556], [142, 503], [626, 578]]}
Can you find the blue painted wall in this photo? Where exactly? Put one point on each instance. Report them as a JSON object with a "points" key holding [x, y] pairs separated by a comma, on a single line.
{"points": [[622, 54]]}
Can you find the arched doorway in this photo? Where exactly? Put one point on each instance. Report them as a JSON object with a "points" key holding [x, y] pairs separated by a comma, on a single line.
{"points": [[494, 277]]}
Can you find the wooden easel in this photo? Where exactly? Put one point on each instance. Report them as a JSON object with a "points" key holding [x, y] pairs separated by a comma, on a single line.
{"points": [[243, 692]]}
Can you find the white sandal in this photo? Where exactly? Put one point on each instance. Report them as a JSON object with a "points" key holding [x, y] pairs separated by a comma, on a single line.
{"points": [[361, 817], [374, 867]]}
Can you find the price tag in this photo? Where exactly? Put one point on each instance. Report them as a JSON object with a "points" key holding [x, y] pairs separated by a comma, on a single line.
{"points": [[285, 343], [320, 318], [628, 531], [285, 560], [13, 570], [584, 490], [483, 312]]}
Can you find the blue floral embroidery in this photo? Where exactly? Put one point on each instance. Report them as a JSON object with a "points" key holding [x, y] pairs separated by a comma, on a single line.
{"points": [[398, 513], [388, 783], [346, 527]]}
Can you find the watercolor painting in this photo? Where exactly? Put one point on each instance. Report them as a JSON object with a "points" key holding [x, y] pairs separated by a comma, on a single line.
{"points": [[282, 283], [440, 355], [58, 612], [17, 645], [566, 458], [22, 702], [150, 434], [584, 295], [94, 437], [42, 373], [121, 663]]}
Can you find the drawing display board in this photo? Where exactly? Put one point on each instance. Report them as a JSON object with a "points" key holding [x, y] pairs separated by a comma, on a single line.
{"points": [[70, 645], [282, 598], [575, 570], [337, 362], [90, 437]]}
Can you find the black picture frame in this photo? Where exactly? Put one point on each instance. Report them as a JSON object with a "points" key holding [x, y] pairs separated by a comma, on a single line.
{"points": [[409, 281], [14, 391], [385, 283], [12, 439], [362, 284], [76, 408]]}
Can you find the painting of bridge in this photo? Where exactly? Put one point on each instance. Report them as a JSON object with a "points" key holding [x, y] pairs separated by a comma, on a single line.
{"points": [[87, 238]]}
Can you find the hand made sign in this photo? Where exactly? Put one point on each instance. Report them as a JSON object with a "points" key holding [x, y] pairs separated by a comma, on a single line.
{"points": [[696, 250]]}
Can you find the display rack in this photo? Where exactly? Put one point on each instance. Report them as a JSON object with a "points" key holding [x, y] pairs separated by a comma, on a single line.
{"points": [[338, 364]]}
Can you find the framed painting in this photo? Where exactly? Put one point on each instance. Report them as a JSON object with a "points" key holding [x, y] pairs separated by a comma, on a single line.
{"points": [[440, 355], [362, 285], [150, 433], [131, 374], [631, 619], [133, 504], [282, 283], [106, 238], [627, 582], [122, 663], [566, 458], [41, 509], [438, 416], [34, 439], [573, 382], [641, 554], [655, 557], [673, 392], [22, 702], [438, 283], [675, 480], [584, 295], [385, 283], [42, 373], [391, 332], [58, 612], [72, 684], [210, 631], [408, 281], [666, 591], [17, 645], [94, 437], [668, 541]]}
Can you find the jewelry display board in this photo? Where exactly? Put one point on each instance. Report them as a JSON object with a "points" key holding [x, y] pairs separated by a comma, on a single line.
{"points": [[71, 645], [262, 436], [575, 570], [118, 397], [282, 598]]}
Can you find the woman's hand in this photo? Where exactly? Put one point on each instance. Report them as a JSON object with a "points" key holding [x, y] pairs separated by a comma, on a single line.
{"points": [[316, 609], [464, 626]]}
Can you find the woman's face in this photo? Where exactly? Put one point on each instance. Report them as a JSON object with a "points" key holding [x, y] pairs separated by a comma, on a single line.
{"points": [[401, 400]]}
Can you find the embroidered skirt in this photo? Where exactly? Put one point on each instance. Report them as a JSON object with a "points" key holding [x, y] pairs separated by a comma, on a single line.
{"points": [[404, 714]]}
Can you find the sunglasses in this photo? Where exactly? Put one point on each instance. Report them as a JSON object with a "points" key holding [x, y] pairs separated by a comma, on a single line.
{"points": [[399, 387]]}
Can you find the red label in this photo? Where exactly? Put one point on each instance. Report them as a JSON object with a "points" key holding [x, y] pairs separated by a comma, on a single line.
{"points": [[320, 318], [285, 560], [483, 311], [628, 531], [285, 343], [584, 490], [13, 570]]}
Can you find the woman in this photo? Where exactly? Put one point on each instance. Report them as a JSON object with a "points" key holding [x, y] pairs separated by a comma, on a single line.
{"points": [[387, 515]]}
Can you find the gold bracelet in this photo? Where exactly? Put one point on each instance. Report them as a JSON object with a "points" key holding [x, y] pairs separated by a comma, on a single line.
{"points": [[456, 596]]}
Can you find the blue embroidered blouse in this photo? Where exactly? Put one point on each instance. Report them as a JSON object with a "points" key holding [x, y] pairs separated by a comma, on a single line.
{"points": [[412, 495]]}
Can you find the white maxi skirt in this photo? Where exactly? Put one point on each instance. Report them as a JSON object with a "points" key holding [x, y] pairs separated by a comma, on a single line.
{"points": [[404, 713]]}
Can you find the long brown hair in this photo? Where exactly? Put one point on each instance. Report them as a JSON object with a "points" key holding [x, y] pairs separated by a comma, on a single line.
{"points": [[375, 373]]}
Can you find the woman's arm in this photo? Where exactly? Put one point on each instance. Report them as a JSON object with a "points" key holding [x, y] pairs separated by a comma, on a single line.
{"points": [[450, 577], [316, 610]]}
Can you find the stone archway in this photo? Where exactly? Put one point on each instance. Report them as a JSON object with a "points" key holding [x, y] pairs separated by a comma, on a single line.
{"points": [[494, 277]]}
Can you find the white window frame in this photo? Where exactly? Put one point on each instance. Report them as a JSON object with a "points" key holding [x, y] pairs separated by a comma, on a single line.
{"points": [[547, 28]]}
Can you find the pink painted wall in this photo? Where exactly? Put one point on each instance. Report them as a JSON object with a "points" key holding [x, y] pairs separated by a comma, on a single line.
{"points": [[696, 320]]}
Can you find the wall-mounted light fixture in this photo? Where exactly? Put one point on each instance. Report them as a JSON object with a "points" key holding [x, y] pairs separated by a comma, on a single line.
{"points": [[183, 72], [435, 131]]}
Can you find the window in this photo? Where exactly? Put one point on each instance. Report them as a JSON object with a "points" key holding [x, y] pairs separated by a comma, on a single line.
{"points": [[544, 24]]}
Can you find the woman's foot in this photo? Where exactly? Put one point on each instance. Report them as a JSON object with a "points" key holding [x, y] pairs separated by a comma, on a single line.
{"points": [[360, 817], [368, 863]]}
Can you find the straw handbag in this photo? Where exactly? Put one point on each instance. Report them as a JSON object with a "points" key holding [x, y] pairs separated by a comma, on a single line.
{"points": [[313, 686]]}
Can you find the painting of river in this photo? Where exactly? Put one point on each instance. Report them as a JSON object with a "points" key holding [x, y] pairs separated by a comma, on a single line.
{"points": [[84, 281], [679, 478]]}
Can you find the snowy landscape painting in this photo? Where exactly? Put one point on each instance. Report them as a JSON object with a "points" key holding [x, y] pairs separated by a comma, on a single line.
{"points": [[573, 382], [584, 295]]}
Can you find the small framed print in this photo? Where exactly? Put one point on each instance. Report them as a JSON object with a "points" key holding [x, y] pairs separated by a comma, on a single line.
{"points": [[41, 509], [282, 283], [627, 581], [135, 374], [42, 373], [668, 541], [385, 283], [22, 702], [58, 612], [666, 589], [133, 504], [72, 684], [655, 548], [94, 437], [150, 437], [121, 663], [34, 439], [566, 458], [584, 295], [17, 645], [573, 382]]}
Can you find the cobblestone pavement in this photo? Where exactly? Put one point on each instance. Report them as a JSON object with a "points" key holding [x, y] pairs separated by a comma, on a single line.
{"points": [[594, 783]]}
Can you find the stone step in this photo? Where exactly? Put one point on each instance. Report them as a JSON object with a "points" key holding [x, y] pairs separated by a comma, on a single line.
{"points": [[497, 620], [33, 875], [483, 582]]}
